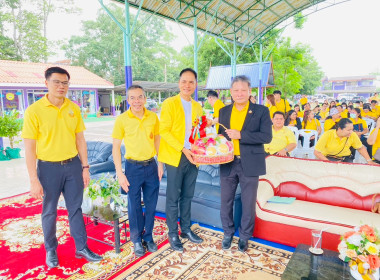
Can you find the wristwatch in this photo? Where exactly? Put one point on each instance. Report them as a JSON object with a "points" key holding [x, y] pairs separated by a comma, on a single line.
{"points": [[85, 166]]}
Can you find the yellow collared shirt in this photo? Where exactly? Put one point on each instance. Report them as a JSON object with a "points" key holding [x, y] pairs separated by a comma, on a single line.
{"points": [[237, 121], [53, 128], [217, 106], [300, 114], [312, 125], [376, 145], [173, 128], [138, 134], [272, 110], [281, 139], [369, 114], [329, 123], [303, 100], [331, 144], [324, 114], [282, 104]]}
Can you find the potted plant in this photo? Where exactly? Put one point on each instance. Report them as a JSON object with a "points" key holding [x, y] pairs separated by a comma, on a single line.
{"points": [[10, 126], [118, 100]]}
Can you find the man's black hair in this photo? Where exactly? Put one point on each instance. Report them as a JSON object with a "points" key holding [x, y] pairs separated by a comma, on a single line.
{"points": [[277, 92], [374, 101], [189, 70], [50, 71], [135, 87], [212, 93], [278, 113]]}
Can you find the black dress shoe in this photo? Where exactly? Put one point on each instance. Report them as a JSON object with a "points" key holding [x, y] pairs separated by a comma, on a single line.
{"points": [[150, 246], [226, 242], [242, 245], [88, 255], [52, 258], [175, 243], [192, 237], [139, 249]]}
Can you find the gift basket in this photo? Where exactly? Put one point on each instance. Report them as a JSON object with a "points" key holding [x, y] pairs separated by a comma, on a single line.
{"points": [[210, 148]]}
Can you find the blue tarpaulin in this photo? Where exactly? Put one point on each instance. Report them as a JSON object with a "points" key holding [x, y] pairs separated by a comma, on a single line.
{"points": [[219, 77]]}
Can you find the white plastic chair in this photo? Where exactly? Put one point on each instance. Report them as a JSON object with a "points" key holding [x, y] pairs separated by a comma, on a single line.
{"points": [[306, 151], [296, 134], [371, 126]]}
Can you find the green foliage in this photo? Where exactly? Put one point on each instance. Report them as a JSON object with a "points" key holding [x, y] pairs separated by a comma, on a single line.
{"points": [[299, 20], [100, 49], [7, 49], [207, 106], [118, 100], [10, 126]]}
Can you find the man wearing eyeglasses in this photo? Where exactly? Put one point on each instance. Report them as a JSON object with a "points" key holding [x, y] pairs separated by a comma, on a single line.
{"points": [[56, 159]]}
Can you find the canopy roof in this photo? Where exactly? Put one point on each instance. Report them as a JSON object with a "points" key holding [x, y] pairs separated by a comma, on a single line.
{"points": [[248, 19], [219, 77]]}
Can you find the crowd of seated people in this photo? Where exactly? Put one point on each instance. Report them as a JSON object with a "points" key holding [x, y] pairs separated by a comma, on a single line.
{"points": [[342, 128]]}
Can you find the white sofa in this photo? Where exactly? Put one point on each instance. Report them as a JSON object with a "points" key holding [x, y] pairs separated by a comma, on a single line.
{"points": [[331, 196]]}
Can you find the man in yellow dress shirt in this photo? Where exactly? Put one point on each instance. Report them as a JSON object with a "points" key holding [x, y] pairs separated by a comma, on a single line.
{"points": [[139, 128], [53, 136], [217, 104], [177, 116], [283, 141], [281, 104], [249, 127]]}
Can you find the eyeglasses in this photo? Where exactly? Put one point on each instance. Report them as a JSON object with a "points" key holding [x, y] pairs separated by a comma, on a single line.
{"points": [[57, 83]]}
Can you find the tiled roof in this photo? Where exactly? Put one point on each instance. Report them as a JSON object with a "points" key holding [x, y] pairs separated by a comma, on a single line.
{"points": [[17, 72]]}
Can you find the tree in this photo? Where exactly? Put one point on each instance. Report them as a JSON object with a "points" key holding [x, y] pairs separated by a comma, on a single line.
{"points": [[7, 49], [100, 48]]}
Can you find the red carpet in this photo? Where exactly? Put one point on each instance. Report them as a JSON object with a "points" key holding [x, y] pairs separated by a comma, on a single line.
{"points": [[23, 255]]}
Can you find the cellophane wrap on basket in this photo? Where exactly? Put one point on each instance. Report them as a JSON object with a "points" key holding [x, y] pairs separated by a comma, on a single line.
{"points": [[213, 149]]}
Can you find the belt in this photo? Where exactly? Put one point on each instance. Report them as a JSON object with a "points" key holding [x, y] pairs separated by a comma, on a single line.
{"points": [[141, 162], [61, 162]]}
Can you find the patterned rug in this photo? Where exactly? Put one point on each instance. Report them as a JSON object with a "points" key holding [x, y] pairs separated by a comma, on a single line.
{"points": [[209, 261], [23, 254]]}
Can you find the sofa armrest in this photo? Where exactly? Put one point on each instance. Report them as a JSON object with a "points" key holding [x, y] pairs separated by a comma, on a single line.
{"points": [[264, 192], [107, 166]]}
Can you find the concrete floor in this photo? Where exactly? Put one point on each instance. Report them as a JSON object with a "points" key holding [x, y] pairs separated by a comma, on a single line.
{"points": [[13, 173]]}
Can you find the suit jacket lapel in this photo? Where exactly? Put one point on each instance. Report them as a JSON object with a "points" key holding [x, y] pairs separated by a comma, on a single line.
{"points": [[249, 115], [228, 115]]}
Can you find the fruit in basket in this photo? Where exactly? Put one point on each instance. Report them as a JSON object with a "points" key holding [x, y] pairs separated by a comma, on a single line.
{"points": [[223, 148], [211, 151]]}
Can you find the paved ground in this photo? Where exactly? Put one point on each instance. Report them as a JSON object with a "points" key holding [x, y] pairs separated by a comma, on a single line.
{"points": [[13, 174]]}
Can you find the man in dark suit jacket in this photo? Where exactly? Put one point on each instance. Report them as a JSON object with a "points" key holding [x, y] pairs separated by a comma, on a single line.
{"points": [[249, 127]]}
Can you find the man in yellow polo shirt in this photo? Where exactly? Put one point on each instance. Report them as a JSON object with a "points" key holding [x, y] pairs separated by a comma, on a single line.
{"points": [[281, 104], [283, 141], [139, 128], [249, 127], [53, 135], [177, 116], [334, 145], [217, 104], [374, 140]]}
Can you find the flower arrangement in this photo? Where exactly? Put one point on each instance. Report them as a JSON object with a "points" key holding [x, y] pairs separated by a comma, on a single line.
{"points": [[102, 190], [361, 249]]}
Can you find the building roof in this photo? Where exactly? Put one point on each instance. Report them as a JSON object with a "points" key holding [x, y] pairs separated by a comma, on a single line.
{"points": [[155, 86], [249, 20], [219, 77], [351, 78], [18, 73]]}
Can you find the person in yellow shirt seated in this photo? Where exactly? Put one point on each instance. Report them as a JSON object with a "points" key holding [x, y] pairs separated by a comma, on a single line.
{"points": [[293, 120], [374, 140], [281, 104], [375, 108], [309, 122], [303, 101], [283, 141], [324, 113], [271, 104], [360, 128], [375, 96], [297, 109], [342, 113], [367, 112], [217, 104], [335, 144], [332, 119]]}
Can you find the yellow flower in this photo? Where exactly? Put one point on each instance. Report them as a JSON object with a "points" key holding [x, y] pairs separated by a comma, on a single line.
{"points": [[351, 254], [372, 248]]}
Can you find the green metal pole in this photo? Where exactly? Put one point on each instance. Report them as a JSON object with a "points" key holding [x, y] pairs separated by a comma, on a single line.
{"points": [[196, 54]]}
